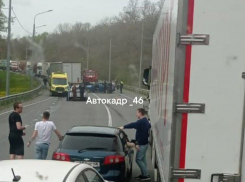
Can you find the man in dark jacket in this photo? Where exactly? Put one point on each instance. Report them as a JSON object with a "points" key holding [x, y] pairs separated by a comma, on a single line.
{"points": [[121, 86], [74, 92], [142, 127], [81, 88], [105, 86]]}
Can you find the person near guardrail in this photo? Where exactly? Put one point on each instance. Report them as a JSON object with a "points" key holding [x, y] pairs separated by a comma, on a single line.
{"points": [[45, 80], [42, 133], [16, 132], [121, 86], [142, 126]]}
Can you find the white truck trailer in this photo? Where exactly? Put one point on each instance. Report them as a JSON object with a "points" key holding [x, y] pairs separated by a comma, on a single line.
{"points": [[197, 91], [45, 68], [74, 72]]}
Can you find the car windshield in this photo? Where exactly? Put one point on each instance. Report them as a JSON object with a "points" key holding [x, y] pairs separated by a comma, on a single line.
{"points": [[59, 81], [83, 142], [90, 73]]}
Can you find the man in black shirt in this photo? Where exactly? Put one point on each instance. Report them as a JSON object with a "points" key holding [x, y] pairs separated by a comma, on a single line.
{"points": [[16, 132]]}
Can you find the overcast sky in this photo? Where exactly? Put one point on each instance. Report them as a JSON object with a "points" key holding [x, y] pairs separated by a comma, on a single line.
{"points": [[64, 11]]}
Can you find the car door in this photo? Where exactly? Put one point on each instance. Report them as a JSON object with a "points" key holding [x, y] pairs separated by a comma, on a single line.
{"points": [[127, 150]]}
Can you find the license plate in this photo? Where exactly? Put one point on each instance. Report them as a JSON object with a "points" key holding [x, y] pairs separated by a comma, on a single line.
{"points": [[60, 92], [93, 164]]}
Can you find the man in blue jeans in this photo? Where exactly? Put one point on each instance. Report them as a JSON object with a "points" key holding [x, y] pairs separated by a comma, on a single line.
{"points": [[42, 133], [142, 127]]}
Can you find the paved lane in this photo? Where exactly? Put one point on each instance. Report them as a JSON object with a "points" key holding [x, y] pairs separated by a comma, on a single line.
{"points": [[66, 114]]}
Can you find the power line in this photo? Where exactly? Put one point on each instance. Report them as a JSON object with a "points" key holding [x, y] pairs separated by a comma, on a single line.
{"points": [[19, 22]]}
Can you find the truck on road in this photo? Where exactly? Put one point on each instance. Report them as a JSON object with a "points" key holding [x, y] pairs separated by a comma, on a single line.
{"points": [[58, 84], [39, 69], [55, 67], [3, 64], [74, 72], [14, 65], [90, 76], [197, 91], [45, 68]]}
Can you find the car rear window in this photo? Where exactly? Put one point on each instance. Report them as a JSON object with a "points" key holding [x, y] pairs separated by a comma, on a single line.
{"points": [[91, 142]]}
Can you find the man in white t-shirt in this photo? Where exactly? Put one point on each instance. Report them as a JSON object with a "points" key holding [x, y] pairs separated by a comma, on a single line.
{"points": [[42, 133]]}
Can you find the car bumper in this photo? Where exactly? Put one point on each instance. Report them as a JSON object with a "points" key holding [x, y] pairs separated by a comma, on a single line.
{"points": [[54, 92], [114, 175]]}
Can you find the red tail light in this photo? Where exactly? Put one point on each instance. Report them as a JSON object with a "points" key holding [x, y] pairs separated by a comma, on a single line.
{"points": [[61, 156], [114, 159]]}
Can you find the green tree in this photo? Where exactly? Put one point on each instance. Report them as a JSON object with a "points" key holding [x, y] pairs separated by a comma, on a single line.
{"points": [[2, 19]]}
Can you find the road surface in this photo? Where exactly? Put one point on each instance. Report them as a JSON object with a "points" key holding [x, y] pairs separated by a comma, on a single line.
{"points": [[66, 114]]}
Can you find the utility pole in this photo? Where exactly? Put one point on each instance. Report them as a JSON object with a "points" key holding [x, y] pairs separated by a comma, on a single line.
{"points": [[88, 54], [8, 50], [110, 62], [141, 53]]}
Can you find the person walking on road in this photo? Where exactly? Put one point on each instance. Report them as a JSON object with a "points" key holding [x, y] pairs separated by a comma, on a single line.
{"points": [[45, 82], [42, 133], [142, 127], [121, 86], [16, 132], [105, 86], [74, 92], [81, 89]]}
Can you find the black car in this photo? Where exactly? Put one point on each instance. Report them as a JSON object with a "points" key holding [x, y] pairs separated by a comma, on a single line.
{"points": [[101, 147]]}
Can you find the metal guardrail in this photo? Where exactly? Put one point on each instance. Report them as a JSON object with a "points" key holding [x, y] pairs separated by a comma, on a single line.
{"points": [[5, 101], [137, 90]]}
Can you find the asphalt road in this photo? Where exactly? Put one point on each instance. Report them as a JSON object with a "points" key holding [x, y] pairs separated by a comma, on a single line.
{"points": [[66, 114]]}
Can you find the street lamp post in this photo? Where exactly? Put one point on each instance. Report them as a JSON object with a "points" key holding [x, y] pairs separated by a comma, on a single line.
{"points": [[110, 62], [33, 36], [35, 21], [8, 50], [41, 26], [88, 54]]}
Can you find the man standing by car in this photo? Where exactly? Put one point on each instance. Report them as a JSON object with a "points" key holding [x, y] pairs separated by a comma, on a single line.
{"points": [[142, 127], [16, 132], [43, 130]]}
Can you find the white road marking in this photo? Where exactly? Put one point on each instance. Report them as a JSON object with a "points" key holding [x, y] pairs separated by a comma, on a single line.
{"points": [[125, 96], [108, 112], [28, 105]]}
